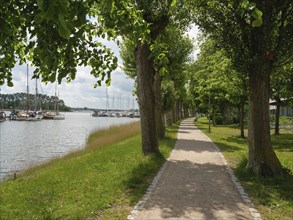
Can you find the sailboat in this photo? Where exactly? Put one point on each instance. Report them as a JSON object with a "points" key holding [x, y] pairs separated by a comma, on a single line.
{"points": [[58, 115], [31, 115], [38, 106], [55, 115], [23, 114], [26, 114]]}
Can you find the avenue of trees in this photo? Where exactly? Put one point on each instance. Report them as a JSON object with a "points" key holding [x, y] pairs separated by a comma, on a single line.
{"points": [[246, 56], [256, 36]]}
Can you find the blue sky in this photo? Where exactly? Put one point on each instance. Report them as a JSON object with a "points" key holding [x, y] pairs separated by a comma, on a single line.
{"points": [[81, 91]]}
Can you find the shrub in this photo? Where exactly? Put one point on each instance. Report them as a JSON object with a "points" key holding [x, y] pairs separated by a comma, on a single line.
{"points": [[219, 119]]}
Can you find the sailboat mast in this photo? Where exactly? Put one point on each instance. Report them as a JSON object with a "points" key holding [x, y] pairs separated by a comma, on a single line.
{"points": [[113, 102], [107, 101], [0, 100], [36, 98], [56, 99], [27, 89]]}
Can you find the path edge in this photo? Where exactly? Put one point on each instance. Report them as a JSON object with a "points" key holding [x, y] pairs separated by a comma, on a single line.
{"points": [[255, 214], [148, 193], [140, 204]]}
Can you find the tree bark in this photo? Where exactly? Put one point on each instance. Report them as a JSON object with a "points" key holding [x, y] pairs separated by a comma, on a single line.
{"points": [[277, 117], [241, 119], [145, 80], [186, 111], [173, 115], [177, 116], [158, 106], [181, 110], [262, 158]]}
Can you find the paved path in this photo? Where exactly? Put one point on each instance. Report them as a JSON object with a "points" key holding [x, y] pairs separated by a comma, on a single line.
{"points": [[194, 183]]}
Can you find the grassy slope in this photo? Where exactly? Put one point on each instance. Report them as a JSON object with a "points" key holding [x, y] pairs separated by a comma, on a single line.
{"points": [[106, 180], [273, 197]]}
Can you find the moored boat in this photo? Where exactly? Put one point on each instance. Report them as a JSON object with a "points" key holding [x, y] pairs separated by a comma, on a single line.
{"points": [[2, 116], [53, 116]]}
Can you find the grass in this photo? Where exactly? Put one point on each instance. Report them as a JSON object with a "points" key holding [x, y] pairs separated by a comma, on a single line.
{"points": [[273, 197], [103, 181]]}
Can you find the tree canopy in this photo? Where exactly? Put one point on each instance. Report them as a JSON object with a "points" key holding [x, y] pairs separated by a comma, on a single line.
{"points": [[55, 36]]}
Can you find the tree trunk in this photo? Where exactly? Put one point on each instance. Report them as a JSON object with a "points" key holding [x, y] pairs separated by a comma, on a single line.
{"points": [[262, 158], [277, 117], [241, 119], [186, 111], [214, 116], [173, 115], [158, 106], [192, 112], [181, 110], [177, 110], [145, 80]]}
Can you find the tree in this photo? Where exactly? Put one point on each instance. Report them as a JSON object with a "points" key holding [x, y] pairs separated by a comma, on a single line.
{"points": [[260, 37], [61, 37], [214, 80], [281, 90], [170, 51], [141, 22], [55, 36]]}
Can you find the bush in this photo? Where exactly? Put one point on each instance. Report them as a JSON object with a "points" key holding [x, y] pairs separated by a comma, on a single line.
{"points": [[219, 119]]}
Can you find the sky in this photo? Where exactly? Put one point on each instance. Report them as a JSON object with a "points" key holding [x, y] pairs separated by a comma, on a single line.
{"points": [[81, 91]]}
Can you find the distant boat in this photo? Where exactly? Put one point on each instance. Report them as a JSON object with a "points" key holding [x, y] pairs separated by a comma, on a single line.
{"points": [[18, 115], [95, 114], [26, 114], [2, 116], [112, 115], [54, 115]]}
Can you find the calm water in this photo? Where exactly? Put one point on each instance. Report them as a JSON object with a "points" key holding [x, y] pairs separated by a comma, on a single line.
{"points": [[25, 144]]}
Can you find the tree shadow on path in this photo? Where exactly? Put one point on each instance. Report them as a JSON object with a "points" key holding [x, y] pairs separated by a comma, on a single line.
{"points": [[198, 189]]}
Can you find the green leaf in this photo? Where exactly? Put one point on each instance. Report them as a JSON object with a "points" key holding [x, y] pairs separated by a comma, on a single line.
{"points": [[257, 23], [173, 3], [244, 4], [40, 4], [108, 82], [257, 14], [10, 84], [39, 18], [63, 29]]}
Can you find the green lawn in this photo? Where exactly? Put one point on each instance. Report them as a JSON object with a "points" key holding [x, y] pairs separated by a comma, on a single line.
{"points": [[273, 197], [104, 181]]}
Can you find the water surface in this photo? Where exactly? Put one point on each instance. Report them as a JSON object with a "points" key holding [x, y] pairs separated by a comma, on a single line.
{"points": [[24, 144]]}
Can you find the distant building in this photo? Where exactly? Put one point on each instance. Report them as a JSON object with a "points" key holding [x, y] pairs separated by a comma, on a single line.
{"points": [[285, 108]]}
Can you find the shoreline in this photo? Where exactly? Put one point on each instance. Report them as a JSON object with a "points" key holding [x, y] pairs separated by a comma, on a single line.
{"points": [[30, 168], [103, 181]]}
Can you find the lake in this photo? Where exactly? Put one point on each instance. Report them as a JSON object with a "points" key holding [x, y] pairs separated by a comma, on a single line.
{"points": [[24, 144]]}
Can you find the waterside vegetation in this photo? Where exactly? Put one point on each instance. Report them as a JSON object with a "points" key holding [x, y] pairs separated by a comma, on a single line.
{"points": [[17, 101], [104, 181], [272, 196]]}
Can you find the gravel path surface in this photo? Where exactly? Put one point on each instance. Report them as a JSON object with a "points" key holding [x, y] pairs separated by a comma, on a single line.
{"points": [[194, 183]]}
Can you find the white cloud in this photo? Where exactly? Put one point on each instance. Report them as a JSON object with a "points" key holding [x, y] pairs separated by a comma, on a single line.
{"points": [[81, 91]]}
